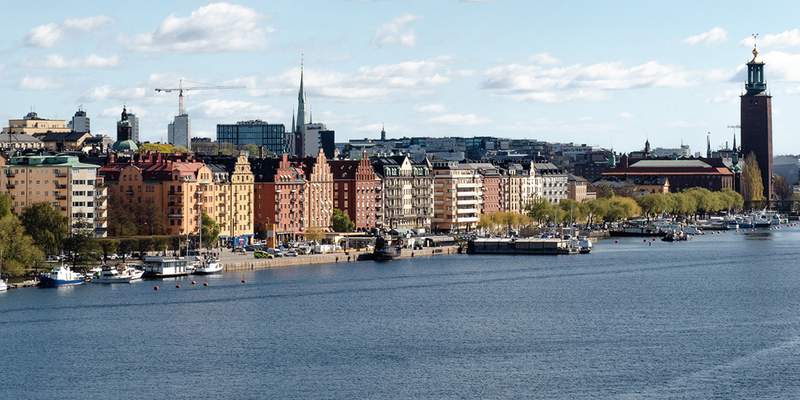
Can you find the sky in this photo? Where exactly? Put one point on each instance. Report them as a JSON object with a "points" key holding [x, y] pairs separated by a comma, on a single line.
{"points": [[610, 73]]}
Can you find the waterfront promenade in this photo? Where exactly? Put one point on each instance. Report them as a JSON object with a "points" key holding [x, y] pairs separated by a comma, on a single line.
{"points": [[246, 262]]}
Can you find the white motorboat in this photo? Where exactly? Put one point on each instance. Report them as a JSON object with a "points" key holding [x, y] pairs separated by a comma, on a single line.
{"points": [[3, 286], [61, 276], [118, 275], [208, 265], [692, 230]]}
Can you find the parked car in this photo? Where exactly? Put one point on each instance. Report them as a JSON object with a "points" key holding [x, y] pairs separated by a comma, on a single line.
{"points": [[291, 253], [262, 254], [238, 250]]}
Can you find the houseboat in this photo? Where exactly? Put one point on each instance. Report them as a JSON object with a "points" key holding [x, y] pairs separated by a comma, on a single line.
{"points": [[533, 246], [165, 267]]}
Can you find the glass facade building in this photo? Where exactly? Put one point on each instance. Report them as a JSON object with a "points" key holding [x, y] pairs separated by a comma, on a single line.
{"points": [[259, 133]]}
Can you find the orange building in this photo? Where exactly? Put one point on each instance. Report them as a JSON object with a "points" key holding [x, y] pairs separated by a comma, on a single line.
{"points": [[171, 188], [319, 191], [279, 198]]}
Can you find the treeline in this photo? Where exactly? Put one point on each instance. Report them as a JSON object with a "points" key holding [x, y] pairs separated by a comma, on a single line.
{"points": [[687, 204]]}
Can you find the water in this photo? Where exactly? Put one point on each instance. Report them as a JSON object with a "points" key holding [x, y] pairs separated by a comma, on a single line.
{"points": [[716, 317]]}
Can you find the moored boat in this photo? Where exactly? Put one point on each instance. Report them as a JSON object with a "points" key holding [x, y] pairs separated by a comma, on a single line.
{"points": [[3, 286], [385, 250], [110, 274], [165, 267], [533, 246], [60, 276], [208, 265]]}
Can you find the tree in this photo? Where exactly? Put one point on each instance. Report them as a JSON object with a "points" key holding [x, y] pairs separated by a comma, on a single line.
{"points": [[210, 230], [315, 234], [48, 227], [340, 222], [573, 211], [782, 188], [17, 249], [752, 184], [539, 210], [126, 246], [161, 148], [81, 249], [109, 246]]}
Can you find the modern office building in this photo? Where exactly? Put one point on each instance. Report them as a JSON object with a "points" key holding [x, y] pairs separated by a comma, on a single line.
{"points": [[457, 195], [271, 137], [80, 122], [179, 131]]}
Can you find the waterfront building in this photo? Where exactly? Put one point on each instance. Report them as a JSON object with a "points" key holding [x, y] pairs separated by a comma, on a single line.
{"points": [[357, 191], [512, 180], [233, 194], [319, 191], [634, 186], [682, 174], [173, 188], [550, 182], [578, 189], [756, 121], [179, 131], [80, 122], [491, 186], [457, 197], [279, 204], [71, 187], [407, 192], [271, 137]]}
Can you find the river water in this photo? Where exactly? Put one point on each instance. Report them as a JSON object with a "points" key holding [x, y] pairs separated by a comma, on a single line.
{"points": [[715, 317]]}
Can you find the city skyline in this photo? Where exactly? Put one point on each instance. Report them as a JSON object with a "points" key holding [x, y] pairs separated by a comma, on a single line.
{"points": [[374, 63]]}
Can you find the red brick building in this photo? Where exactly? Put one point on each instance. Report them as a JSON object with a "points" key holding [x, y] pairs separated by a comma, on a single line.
{"points": [[357, 191], [280, 198], [682, 174]]}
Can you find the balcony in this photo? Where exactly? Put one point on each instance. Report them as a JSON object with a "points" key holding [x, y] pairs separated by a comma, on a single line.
{"points": [[10, 185], [60, 185], [61, 174], [61, 196], [175, 216], [10, 173]]}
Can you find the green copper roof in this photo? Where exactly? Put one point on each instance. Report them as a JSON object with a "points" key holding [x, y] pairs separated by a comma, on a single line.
{"points": [[49, 161]]}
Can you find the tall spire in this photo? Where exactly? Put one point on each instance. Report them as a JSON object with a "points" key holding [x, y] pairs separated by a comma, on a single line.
{"points": [[301, 100], [755, 72], [734, 141], [708, 145]]}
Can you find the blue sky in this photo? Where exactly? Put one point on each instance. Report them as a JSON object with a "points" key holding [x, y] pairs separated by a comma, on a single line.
{"points": [[609, 73]]}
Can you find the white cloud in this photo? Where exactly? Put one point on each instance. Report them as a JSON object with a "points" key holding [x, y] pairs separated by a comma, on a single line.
{"points": [[38, 83], [459, 119], [579, 82], [430, 108], [234, 109], [48, 35], [58, 61], [367, 82], [715, 35], [544, 59], [107, 92], [788, 38], [728, 96], [396, 31], [214, 27], [625, 115]]}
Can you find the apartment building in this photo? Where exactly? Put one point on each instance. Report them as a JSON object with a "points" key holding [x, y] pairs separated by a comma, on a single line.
{"points": [[458, 196], [279, 204], [234, 198], [357, 191], [64, 182], [407, 194]]}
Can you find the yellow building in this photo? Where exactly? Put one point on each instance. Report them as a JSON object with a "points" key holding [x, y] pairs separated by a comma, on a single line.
{"points": [[70, 186], [233, 191], [31, 124]]}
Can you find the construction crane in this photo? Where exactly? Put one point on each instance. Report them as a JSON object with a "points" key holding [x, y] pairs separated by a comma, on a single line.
{"points": [[180, 89]]}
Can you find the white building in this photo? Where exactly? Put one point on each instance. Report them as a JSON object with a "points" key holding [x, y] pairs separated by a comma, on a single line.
{"points": [[457, 196], [551, 183], [80, 122], [179, 131]]}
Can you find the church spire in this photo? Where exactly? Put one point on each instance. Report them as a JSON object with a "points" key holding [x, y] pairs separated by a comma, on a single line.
{"points": [[708, 145], [301, 101]]}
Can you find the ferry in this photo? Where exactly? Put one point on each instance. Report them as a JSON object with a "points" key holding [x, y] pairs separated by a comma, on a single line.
{"points": [[61, 276], [110, 274], [165, 267]]}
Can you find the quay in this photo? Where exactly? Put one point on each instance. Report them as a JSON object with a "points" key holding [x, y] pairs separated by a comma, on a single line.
{"points": [[246, 262]]}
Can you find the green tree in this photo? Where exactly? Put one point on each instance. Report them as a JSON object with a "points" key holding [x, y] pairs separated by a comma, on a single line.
{"points": [[48, 227], [210, 231], [315, 234], [340, 221], [82, 248], [573, 211], [539, 210], [17, 249], [109, 246], [752, 184], [126, 246]]}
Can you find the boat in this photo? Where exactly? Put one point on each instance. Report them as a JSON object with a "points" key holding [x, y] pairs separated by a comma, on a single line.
{"points": [[692, 230], [636, 230], [3, 286], [61, 276], [208, 265], [584, 245], [165, 267], [109, 274], [532, 246], [385, 250], [675, 236]]}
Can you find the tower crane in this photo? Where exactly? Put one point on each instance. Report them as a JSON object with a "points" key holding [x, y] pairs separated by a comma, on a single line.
{"points": [[180, 89]]}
